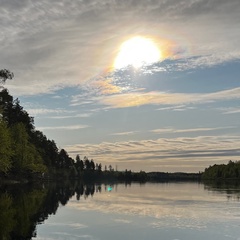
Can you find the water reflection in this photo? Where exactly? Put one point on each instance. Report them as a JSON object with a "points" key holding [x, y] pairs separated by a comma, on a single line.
{"points": [[22, 208], [230, 188]]}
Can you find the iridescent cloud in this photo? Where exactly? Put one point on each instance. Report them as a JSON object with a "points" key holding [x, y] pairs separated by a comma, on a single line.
{"points": [[163, 98], [51, 45]]}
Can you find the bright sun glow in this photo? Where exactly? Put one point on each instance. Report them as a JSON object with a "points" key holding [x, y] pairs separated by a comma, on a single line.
{"points": [[137, 52]]}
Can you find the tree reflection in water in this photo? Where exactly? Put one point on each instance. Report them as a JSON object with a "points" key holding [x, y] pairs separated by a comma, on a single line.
{"points": [[230, 188], [22, 207]]}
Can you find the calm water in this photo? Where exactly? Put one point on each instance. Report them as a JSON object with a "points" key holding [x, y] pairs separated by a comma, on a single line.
{"points": [[167, 211]]}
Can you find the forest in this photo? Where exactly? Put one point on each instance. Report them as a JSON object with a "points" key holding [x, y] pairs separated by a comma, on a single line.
{"points": [[24, 149], [223, 171], [26, 153]]}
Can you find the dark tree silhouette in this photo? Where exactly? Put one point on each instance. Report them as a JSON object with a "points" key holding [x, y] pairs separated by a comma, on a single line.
{"points": [[4, 75], [87, 165], [92, 165]]}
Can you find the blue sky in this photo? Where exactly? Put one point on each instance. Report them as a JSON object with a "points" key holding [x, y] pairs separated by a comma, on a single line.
{"points": [[180, 113]]}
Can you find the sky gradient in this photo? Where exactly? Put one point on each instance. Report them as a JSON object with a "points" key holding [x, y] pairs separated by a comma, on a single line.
{"points": [[180, 113]]}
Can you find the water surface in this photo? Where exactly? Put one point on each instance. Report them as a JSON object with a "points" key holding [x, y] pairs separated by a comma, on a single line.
{"points": [[149, 211], [167, 211]]}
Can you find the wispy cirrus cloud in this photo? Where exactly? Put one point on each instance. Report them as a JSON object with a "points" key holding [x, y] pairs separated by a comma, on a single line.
{"points": [[165, 98], [176, 108], [163, 130], [71, 127], [124, 133], [105, 87], [81, 115], [144, 98], [202, 129], [44, 111], [50, 45], [230, 110], [71, 225]]}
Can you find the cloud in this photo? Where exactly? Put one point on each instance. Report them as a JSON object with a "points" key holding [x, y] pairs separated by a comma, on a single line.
{"points": [[71, 225], [72, 127], [164, 154], [123, 221], [174, 108], [124, 133], [164, 98], [44, 111], [201, 129], [51, 45], [140, 98], [105, 87], [171, 130], [63, 235], [230, 110], [81, 115], [163, 130]]}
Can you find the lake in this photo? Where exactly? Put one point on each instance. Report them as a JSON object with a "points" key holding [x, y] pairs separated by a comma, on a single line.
{"points": [[154, 211]]}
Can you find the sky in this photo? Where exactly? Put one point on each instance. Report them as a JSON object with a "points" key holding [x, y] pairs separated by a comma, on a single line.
{"points": [[147, 85]]}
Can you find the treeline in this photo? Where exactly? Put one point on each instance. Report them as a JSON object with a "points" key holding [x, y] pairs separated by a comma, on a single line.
{"points": [[23, 149], [223, 171], [177, 176], [26, 152]]}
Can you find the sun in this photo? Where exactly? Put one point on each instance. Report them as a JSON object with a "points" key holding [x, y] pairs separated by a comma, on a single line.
{"points": [[137, 52]]}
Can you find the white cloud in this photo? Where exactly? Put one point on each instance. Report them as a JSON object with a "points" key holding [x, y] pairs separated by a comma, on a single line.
{"points": [[50, 45], [164, 154], [82, 115], [124, 133], [123, 221], [71, 127], [172, 130], [229, 110], [44, 111], [163, 130], [72, 225]]}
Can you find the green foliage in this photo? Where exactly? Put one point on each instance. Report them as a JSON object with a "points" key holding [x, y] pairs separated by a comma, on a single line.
{"points": [[13, 112], [5, 148], [223, 171], [20, 210], [23, 207], [26, 157], [24, 150], [27, 152], [7, 216], [46, 148], [27, 205]]}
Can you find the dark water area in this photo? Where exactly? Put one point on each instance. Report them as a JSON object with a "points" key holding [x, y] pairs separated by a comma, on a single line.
{"points": [[24, 207]]}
